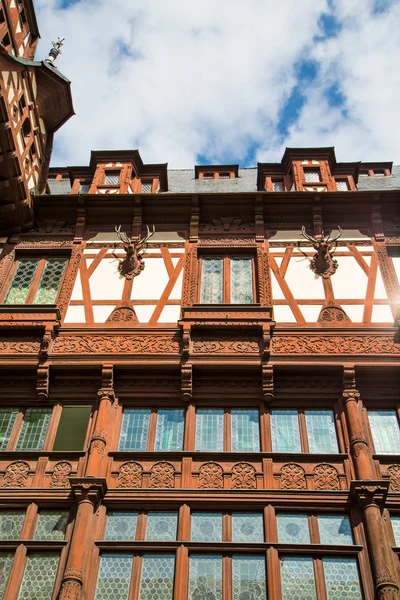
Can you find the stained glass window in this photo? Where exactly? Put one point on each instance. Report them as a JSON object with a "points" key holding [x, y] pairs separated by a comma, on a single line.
{"points": [[285, 431], [112, 177], [51, 525], [277, 186], [161, 526], [6, 561], [210, 429], [21, 282], [170, 426], [157, 580], [212, 276], [114, 577], [121, 526], [245, 430], [205, 577], [50, 281], [385, 431], [396, 528], [248, 577], [297, 578], [341, 579], [146, 187], [206, 527], [321, 431], [135, 429], [11, 522], [247, 527], [293, 529], [342, 185], [39, 576], [241, 281], [334, 529], [34, 429], [7, 420]]}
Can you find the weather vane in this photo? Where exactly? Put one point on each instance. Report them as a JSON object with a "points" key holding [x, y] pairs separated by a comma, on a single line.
{"points": [[55, 51]]}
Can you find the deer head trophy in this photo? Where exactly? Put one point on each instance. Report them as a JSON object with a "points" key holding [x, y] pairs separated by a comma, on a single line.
{"points": [[133, 263], [322, 263]]}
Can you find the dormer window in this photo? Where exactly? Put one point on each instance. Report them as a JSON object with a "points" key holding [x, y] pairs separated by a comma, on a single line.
{"points": [[112, 177], [364, 173], [225, 175], [208, 175], [342, 185], [277, 185], [216, 171], [312, 175], [379, 173]]}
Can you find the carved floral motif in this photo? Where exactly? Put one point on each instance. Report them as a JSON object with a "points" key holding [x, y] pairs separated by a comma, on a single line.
{"points": [[394, 474], [71, 590], [123, 312], [61, 472], [331, 313], [334, 344], [243, 476], [130, 475], [19, 345], [123, 344], [293, 477], [162, 475], [326, 477], [211, 476], [224, 344], [16, 475]]}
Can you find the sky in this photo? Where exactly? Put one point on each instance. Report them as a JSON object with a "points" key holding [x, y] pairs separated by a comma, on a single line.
{"points": [[227, 81]]}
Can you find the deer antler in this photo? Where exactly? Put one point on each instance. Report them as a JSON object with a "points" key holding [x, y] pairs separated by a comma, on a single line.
{"points": [[308, 237], [125, 239], [148, 235], [336, 238]]}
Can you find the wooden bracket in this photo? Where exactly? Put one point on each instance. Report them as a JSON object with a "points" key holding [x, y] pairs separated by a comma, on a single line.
{"points": [[259, 219], [194, 220], [137, 218], [187, 381], [267, 378], [318, 224], [80, 222], [43, 382], [376, 220]]}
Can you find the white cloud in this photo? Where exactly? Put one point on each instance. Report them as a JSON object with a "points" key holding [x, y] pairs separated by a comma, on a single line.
{"points": [[181, 78]]}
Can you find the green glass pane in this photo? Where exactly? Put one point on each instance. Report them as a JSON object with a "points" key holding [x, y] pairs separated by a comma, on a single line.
{"points": [[396, 528], [210, 429], [241, 281], [7, 420], [285, 431], [170, 426], [341, 579], [212, 276], [39, 576], [51, 525], [157, 581], [385, 431], [297, 578], [121, 526], [50, 281], [11, 522], [34, 429], [245, 430], [321, 431], [135, 429], [114, 577], [21, 281], [6, 561]]}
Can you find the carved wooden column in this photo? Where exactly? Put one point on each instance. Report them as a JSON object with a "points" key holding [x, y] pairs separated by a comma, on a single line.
{"points": [[87, 492], [371, 497], [99, 438], [359, 448]]}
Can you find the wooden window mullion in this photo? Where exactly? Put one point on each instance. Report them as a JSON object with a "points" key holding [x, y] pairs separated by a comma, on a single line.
{"points": [[35, 281], [7, 283], [226, 578], [136, 575], [226, 275], [319, 578], [152, 429], [16, 430], [254, 279], [265, 428], [141, 526], [303, 432], [52, 428], [313, 528], [189, 439], [200, 278], [227, 527], [227, 430]]}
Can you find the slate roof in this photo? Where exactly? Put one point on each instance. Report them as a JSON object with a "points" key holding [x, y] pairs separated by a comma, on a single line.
{"points": [[380, 182]]}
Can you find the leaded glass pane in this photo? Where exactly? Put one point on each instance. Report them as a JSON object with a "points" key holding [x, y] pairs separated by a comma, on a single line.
{"points": [[157, 580], [135, 429], [341, 579], [297, 578], [396, 528], [161, 526], [112, 177], [34, 429], [385, 431], [21, 281], [210, 429], [39, 576], [247, 527], [277, 186], [50, 281], [212, 276], [206, 527], [114, 577], [311, 175], [293, 529], [6, 561], [146, 187], [248, 578], [245, 430], [121, 526], [84, 188], [7, 420], [342, 185], [285, 431], [51, 525], [241, 281], [205, 577], [321, 431], [334, 529], [170, 425], [11, 524]]}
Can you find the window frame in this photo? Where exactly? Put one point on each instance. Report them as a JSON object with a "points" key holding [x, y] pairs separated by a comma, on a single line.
{"points": [[391, 409], [227, 426], [152, 430], [112, 172], [226, 275]]}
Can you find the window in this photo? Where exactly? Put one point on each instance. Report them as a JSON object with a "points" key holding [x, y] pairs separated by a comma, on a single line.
{"points": [[318, 426], [206, 527], [312, 175], [146, 186], [6, 561], [39, 576], [210, 429], [225, 175], [34, 429], [84, 188], [51, 525], [379, 172], [247, 527], [227, 280], [169, 429], [385, 431], [208, 175], [72, 428], [205, 577], [277, 186], [296, 528], [342, 185], [7, 420], [11, 522], [395, 519], [111, 177], [36, 281], [161, 526], [245, 429], [363, 173], [121, 526]]}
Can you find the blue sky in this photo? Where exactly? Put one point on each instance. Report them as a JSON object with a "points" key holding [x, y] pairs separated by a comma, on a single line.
{"points": [[228, 82]]}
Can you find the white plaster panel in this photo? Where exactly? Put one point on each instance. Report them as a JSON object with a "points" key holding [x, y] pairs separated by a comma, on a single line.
{"points": [[396, 264], [144, 312], [303, 283], [286, 235], [279, 260], [311, 312], [75, 314], [367, 260], [380, 292], [381, 313], [170, 314], [77, 291], [354, 312], [175, 261], [365, 248], [102, 312], [106, 283], [276, 290], [349, 281], [176, 293], [152, 251], [151, 282], [283, 314], [89, 262]]}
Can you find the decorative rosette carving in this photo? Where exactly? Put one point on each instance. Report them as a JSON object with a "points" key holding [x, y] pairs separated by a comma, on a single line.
{"points": [[130, 475], [394, 476], [162, 475], [16, 475], [211, 476], [293, 477], [243, 476], [61, 472], [326, 477]]}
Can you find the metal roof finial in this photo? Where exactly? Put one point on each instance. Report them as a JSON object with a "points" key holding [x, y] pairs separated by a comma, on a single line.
{"points": [[55, 51]]}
